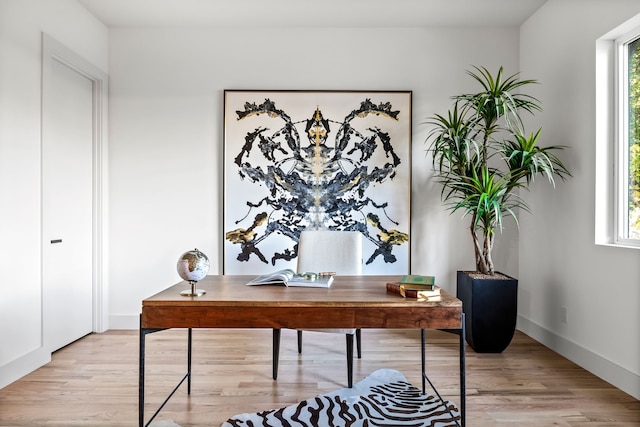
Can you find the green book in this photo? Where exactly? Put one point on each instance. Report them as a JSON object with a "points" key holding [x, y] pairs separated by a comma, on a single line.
{"points": [[414, 279]]}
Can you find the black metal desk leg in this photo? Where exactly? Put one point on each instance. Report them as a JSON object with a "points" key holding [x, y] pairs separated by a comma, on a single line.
{"points": [[461, 333], [143, 333], [463, 386], [141, 378], [276, 352], [424, 356], [350, 359], [189, 334]]}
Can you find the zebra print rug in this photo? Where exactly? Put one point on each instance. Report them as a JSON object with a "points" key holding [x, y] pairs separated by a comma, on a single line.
{"points": [[384, 398]]}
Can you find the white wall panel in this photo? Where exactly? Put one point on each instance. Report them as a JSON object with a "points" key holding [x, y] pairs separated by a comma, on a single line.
{"points": [[560, 265], [21, 27]]}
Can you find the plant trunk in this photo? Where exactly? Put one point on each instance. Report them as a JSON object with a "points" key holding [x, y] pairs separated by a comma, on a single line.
{"points": [[488, 248], [484, 261]]}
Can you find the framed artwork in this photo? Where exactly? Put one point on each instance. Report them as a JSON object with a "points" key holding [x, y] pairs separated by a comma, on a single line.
{"points": [[296, 160]]}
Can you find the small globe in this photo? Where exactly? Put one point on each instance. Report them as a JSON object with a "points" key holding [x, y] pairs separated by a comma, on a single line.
{"points": [[193, 265]]}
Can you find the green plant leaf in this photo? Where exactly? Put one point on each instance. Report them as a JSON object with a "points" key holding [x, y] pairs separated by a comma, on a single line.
{"points": [[481, 155]]}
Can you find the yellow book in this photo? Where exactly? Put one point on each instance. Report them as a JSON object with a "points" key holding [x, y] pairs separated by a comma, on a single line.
{"points": [[416, 291]]}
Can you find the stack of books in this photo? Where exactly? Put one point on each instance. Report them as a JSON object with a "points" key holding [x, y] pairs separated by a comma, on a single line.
{"points": [[415, 286]]}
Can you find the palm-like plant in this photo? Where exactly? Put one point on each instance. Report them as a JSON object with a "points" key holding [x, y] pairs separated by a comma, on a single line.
{"points": [[481, 154]]}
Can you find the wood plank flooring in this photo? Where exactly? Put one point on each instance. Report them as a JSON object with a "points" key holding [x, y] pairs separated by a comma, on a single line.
{"points": [[94, 381]]}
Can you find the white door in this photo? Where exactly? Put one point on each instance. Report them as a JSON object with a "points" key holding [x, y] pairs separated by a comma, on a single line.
{"points": [[67, 206]]}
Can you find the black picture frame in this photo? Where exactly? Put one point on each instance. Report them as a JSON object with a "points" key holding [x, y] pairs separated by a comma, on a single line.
{"points": [[296, 159]]}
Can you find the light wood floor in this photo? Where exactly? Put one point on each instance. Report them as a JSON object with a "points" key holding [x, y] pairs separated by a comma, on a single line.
{"points": [[94, 381]]}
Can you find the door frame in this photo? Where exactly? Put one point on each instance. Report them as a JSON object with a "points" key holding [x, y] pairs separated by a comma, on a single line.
{"points": [[52, 50]]}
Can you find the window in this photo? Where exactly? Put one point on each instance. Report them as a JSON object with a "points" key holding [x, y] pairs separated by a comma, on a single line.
{"points": [[617, 155], [627, 191]]}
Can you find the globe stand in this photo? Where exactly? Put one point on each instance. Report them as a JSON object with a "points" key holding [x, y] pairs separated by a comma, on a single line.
{"points": [[193, 292]]}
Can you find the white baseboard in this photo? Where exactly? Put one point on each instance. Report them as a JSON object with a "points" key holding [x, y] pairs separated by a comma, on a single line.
{"points": [[124, 321], [23, 365], [616, 375]]}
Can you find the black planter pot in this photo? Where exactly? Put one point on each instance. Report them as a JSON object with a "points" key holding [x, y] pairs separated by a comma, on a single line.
{"points": [[490, 307]]}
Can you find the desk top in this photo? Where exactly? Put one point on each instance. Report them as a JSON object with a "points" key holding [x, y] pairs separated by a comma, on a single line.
{"points": [[350, 302]]}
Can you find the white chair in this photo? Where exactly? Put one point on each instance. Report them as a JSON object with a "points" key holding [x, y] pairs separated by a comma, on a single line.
{"points": [[335, 251]]}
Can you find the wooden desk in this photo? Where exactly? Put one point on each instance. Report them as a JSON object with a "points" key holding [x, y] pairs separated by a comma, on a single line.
{"points": [[351, 302]]}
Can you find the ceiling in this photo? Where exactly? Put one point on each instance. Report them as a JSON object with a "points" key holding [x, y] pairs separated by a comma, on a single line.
{"points": [[311, 13]]}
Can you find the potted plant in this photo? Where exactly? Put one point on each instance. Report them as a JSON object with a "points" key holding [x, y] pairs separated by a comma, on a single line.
{"points": [[482, 157]]}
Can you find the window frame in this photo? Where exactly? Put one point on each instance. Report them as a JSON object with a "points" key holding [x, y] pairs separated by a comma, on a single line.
{"points": [[621, 140]]}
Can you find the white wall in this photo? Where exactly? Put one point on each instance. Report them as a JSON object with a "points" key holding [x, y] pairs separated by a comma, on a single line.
{"points": [[560, 265], [21, 25], [166, 111]]}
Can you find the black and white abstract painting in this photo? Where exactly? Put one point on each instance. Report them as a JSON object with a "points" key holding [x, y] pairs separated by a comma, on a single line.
{"points": [[296, 160]]}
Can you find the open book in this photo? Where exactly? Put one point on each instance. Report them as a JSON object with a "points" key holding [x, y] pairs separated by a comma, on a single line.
{"points": [[288, 277]]}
